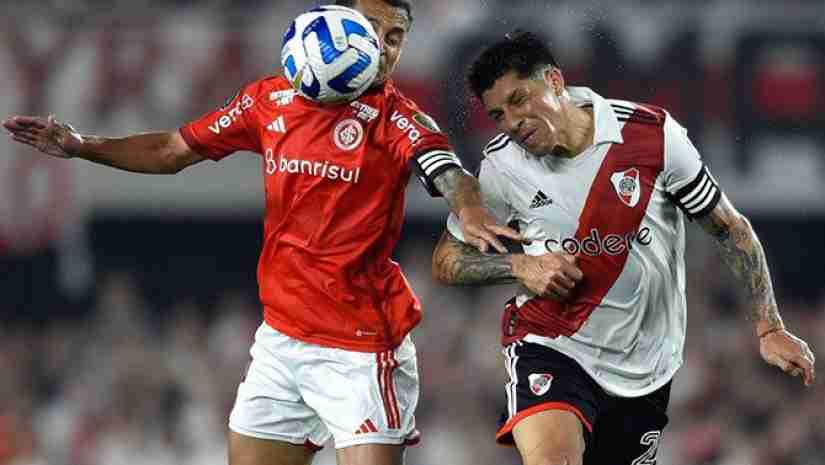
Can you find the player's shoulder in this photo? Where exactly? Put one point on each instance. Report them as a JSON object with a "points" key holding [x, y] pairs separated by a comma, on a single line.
{"points": [[404, 111], [502, 155], [391, 92], [393, 99], [272, 82], [268, 88], [634, 112], [500, 143]]}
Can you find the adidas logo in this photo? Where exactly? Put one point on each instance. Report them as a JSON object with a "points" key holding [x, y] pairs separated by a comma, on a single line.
{"points": [[279, 125], [541, 200], [367, 427]]}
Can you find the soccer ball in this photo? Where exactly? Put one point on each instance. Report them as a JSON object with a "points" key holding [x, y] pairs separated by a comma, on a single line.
{"points": [[330, 54]]}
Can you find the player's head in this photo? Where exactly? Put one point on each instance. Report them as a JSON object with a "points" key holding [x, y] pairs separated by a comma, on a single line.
{"points": [[521, 86], [392, 20]]}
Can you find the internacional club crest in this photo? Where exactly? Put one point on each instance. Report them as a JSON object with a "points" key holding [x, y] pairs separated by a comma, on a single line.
{"points": [[627, 186], [348, 134], [540, 383]]}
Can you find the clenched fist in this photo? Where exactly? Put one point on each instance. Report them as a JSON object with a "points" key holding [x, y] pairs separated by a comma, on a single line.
{"points": [[553, 274]]}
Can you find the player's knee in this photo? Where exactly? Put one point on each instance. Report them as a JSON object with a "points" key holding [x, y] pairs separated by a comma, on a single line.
{"points": [[556, 458], [371, 454], [550, 438], [245, 450], [559, 454]]}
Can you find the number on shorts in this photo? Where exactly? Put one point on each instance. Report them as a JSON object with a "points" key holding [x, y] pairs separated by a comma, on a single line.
{"points": [[651, 439]]}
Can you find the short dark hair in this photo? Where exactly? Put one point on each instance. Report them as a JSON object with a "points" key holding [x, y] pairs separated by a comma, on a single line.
{"points": [[405, 4], [520, 51]]}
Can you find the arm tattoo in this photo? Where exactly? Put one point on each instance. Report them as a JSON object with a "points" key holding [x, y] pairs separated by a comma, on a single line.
{"points": [[458, 188], [745, 257], [457, 263]]}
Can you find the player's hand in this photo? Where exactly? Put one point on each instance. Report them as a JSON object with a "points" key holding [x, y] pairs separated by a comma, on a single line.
{"points": [[47, 135], [791, 354], [481, 229], [552, 275]]}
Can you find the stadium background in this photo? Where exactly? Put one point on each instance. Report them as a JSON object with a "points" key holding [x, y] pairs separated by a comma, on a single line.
{"points": [[128, 301]]}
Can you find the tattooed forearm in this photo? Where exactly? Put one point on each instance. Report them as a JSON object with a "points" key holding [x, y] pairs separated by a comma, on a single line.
{"points": [[744, 255], [457, 263], [458, 188]]}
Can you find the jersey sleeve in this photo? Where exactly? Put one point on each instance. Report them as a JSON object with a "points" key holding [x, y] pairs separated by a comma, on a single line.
{"points": [[416, 138], [688, 181], [493, 192], [226, 130]]}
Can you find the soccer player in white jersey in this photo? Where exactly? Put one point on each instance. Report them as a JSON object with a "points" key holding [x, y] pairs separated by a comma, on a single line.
{"points": [[601, 187]]}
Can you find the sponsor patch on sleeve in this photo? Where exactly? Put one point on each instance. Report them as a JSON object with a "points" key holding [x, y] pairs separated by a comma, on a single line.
{"points": [[426, 121], [229, 100]]}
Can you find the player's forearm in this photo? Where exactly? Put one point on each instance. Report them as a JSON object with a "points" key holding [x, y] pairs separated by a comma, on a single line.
{"points": [[141, 153], [460, 264], [459, 189], [743, 253]]}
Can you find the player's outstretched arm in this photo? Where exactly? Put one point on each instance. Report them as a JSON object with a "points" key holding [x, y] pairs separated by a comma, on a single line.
{"points": [[463, 194], [552, 275], [157, 153], [742, 252]]}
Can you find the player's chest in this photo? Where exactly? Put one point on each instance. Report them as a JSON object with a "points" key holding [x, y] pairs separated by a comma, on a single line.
{"points": [[289, 124], [551, 200]]}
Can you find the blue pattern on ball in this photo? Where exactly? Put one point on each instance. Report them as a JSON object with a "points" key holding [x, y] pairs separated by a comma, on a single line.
{"points": [[323, 86], [312, 90], [341, 82], [291, 70], [289, 34]]}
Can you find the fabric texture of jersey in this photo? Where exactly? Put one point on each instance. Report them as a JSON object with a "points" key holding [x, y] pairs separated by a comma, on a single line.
{"points": [[617, 430], [334, 179], [302, 393], [617, 207]]}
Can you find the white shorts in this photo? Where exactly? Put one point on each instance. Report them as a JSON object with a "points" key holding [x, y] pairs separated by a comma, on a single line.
{"points": [[303, 393]]}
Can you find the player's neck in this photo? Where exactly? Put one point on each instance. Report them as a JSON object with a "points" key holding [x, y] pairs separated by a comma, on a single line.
{"points": [[579, 134]]}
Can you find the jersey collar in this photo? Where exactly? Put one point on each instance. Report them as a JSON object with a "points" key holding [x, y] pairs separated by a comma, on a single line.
{"points": [[606, 125]]}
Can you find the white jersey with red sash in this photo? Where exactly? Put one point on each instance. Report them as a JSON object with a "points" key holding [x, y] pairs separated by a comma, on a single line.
{"points": [[619, 207]]}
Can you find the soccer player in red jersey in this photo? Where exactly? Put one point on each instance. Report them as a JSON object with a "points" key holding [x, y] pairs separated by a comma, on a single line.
{"points": [[333, 357]]}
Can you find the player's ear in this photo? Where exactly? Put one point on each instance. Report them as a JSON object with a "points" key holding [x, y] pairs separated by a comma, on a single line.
{"points": [[554, 79]]}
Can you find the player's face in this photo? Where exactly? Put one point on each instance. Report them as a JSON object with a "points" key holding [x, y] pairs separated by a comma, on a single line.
{"points": [[528, 110], [391, 24]]}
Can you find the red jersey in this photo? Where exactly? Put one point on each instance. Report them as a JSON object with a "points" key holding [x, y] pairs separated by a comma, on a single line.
{"points": [[335, 178]]}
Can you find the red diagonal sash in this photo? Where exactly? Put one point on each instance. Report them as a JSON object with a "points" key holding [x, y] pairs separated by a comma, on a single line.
{"points": [[604, 215]]}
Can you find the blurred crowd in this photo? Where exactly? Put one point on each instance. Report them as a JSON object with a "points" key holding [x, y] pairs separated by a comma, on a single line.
{"points": [[135, 383], [96, 369]]}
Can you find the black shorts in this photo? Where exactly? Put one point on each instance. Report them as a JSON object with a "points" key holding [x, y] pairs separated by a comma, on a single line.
{"points": [[617, 430]]}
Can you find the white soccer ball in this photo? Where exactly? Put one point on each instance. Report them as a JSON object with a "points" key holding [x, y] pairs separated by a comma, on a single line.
{"points": [[330, 54]]}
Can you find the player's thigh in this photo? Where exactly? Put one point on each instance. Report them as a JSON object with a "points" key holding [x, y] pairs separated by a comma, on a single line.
{"points": [[371, 454], [364, 398], [246, 450], [550, 437], [269, 405], [629, 433], [552, 404]]}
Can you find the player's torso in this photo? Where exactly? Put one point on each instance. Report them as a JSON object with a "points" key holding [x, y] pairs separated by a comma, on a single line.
{"points": [[554, 201], [549, 198], [327, 171]]}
